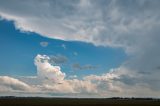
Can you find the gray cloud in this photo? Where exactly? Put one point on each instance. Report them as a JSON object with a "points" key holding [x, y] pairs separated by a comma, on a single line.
{"points": [[77, 66], [58, 59], [91, 21]]}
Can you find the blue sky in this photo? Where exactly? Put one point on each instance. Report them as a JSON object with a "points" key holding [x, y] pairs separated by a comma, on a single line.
{"points": [[18, 50], [80, 48]]}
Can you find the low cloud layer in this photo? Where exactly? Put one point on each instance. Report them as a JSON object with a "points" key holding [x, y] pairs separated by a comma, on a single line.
{"points": [[50, 79], [12, 84]]}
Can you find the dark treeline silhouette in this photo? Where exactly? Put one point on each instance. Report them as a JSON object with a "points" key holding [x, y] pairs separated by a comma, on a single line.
{"points": [[114, 98], [133, 98], [44, 101]]}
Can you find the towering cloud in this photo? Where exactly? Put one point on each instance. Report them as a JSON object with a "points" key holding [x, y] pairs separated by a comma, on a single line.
{"points": [[53, 79], [46, 71]]}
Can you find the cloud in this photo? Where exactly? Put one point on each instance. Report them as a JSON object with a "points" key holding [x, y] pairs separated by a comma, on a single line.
{"points": [[77, 66], [58, 59], [73, 76], [123, 82], [47, 71], [44, 44], [75, 53], [63, 46], [107, 23], [72, 86], [132, 25], [51, 80], [12, 84]]}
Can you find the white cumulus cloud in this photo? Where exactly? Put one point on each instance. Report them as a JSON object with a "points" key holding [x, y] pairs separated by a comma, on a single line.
{"points": [[47, 71]]}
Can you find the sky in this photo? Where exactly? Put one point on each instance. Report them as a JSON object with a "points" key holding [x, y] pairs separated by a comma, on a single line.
{"points": [[80, 48]]}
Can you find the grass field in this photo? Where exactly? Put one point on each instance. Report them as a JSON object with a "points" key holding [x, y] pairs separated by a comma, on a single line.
{"points": [[77, 102]]}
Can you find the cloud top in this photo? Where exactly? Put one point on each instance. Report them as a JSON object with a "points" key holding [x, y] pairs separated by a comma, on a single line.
{"points": [[47, 71]]}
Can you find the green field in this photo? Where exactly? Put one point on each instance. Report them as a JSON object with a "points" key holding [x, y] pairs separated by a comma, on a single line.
{"points": [[77, 102]]}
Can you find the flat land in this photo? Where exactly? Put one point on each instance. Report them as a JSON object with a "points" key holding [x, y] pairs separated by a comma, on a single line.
{"points": [[77, 102]]}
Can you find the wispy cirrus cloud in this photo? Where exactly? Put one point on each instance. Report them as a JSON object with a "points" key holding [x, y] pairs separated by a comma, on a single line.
{"points": [[44, 44]]}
